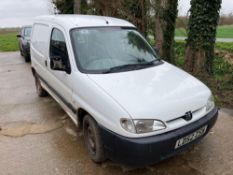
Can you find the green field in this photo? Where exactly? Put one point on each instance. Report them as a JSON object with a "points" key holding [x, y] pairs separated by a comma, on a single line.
{"points": [[8, 41], [222, 32]]}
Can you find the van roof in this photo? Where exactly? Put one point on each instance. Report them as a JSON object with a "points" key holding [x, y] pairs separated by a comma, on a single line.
{"points": [[26, 26], [78, 21]]}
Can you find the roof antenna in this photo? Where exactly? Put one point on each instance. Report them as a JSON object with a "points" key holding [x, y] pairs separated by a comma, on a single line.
{"points": [[107, 22]]}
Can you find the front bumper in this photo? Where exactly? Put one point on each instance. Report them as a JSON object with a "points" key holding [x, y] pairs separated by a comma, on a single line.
{"points": [[149, 150]]}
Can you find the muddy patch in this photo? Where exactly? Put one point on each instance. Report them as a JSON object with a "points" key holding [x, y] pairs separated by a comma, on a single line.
{"points": [[124, 168], [22, 128]]}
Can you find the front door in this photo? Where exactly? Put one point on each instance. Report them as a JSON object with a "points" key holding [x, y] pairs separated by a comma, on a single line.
{"points": [[60, 81]]}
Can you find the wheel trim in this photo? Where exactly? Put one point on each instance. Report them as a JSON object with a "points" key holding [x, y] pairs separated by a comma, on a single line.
{"points": [[90, 139]]}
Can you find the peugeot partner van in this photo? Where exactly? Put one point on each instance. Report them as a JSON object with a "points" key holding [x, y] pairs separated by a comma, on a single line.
{"points": [[133, 107]]}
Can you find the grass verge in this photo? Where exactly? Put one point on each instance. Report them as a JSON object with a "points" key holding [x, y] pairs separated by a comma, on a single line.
{"points": [[222, 32], [8, 42]]}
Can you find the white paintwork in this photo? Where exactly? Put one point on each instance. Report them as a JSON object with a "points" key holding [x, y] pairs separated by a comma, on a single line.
{"points": [[162, 92], [78, 21]]}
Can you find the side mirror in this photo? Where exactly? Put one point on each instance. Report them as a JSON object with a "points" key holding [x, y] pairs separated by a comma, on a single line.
{"points": [[18, 36], [58, 63]]}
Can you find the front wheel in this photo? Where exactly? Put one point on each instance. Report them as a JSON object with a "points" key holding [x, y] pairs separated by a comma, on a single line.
{"points": [[93, 141]]}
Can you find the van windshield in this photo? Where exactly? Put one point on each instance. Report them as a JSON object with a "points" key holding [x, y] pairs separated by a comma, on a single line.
{"points": [[107, 50]]}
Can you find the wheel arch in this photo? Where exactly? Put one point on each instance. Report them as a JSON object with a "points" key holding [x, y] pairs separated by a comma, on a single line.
{"points": [[33, 71], [81, 113]]}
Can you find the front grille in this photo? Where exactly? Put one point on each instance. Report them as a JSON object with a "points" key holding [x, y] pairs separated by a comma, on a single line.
{"points": [[194, 114]]}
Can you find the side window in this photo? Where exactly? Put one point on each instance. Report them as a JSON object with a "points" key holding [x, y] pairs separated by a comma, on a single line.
{"points": [[58, 51], [22, 32], [27, 31]]}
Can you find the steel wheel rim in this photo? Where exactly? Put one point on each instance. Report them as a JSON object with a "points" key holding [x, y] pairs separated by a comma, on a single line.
{"points": [[90, 139]]}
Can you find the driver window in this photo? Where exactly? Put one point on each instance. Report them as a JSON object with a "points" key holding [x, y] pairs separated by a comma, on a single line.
{"points": [[58, 46]]}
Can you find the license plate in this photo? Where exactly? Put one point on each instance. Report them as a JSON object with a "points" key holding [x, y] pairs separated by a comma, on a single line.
{"points": [[189, 138]]}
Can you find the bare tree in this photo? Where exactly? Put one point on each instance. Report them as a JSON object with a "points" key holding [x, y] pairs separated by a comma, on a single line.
{"points": [[165, 22], [106, 8], [64, 6], [77, 6]]}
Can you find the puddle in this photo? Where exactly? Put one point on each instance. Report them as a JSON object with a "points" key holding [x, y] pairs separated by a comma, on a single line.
{"points": [[22, 128]]}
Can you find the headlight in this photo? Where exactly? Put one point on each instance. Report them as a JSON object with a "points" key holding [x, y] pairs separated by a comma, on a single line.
{"points": [[142, 126], [210, 103], [128, 125]]}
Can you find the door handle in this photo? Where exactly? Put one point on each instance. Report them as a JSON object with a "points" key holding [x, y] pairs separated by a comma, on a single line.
{"points": [[46, 63]]}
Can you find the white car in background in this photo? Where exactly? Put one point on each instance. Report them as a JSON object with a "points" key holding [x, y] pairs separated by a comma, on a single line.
{"points": [[134, 108]]}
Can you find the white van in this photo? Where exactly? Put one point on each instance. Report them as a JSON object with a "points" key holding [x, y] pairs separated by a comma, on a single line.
{"points": [[134, 108]]}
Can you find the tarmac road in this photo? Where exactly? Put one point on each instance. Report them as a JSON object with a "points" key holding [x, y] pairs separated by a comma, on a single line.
{"points": [[37, 137]]}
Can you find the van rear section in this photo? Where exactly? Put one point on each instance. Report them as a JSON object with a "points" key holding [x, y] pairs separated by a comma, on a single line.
{"points": [[40, 46]]}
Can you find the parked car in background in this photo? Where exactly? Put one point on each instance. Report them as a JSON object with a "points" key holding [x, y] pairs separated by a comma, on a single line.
{"points": [[134, 108], [24, 42]]}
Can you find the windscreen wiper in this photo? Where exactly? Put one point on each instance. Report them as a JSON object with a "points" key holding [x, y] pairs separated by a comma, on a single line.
{"points": [[137, 66]]}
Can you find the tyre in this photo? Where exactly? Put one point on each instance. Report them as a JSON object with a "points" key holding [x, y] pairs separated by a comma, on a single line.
{"points": [[21, 53], [39, 89], [93, 141], [27, 58]]}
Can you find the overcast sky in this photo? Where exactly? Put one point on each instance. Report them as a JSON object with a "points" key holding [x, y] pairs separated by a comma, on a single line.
{"points": [[21, 12], [15, 13], [227, 6]]}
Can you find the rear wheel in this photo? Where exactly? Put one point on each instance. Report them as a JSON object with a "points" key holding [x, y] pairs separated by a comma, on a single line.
{"points": [[93, 141], [39, 89], [21, 52], [27, 58]]}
